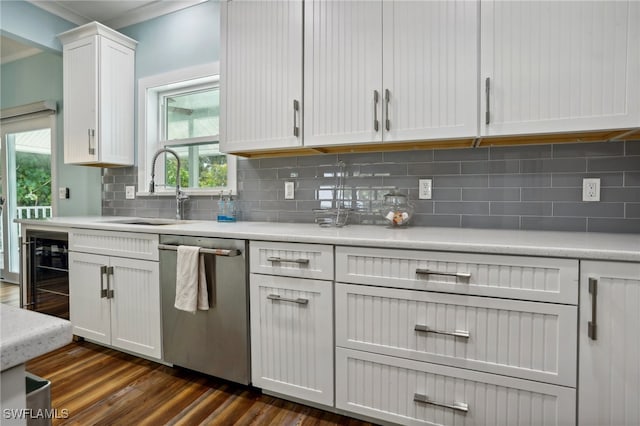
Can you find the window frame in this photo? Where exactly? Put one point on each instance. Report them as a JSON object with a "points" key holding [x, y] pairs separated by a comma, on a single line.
{"points": [[150, 122]]}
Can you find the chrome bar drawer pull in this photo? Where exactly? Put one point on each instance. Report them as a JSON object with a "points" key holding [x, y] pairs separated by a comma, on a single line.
{"points": [[375, 110], [103, 291], [109, 291], [487, 88], [387, 98], [592, 326], [92, 134], [277, 259], [299, 300], [461, 275], [457, 333], [463, 407], [296, 108]]}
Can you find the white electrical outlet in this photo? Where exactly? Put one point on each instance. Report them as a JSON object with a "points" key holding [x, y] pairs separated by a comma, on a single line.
{"points": [[130, 192], [424, 189], [591, 189], [63, 193], [289, 193]]}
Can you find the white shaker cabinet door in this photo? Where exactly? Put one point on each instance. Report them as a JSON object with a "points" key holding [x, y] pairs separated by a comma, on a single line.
{"points": [[261, 81], [430, 69], [609, 369], [89, 307], [559, 66], [342, 72]]}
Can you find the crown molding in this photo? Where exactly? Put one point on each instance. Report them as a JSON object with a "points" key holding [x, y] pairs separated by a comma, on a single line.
{"points": [[61, 11], [150, 11], [20, 55], [142, 13]]}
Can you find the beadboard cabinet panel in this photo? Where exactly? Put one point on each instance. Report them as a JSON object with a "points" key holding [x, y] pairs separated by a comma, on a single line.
{"points": [[530, 340], [135, 306], [430, 69], [261, 75], [98, 77], [123, 244], [609, 369], [89, 310], [559, 66], [419, 393], [80, 63], [342, 70], [517, 277], [292, 260], [292, 337]]}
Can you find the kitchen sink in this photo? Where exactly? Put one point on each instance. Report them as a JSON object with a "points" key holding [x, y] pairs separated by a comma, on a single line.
{"points": [[147, 221]]}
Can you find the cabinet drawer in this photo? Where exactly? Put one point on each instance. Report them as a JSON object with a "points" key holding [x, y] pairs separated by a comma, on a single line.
{"points": [[123, 244], [513, 277], [396, 390], [292, 259], [530, 340], [292, 337]]}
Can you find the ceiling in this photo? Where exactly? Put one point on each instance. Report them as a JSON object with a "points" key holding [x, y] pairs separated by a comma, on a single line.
{"points": [[112, 13]]}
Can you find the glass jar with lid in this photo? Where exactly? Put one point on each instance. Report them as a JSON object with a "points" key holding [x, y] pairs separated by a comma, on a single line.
{"points": [[396, 209]]}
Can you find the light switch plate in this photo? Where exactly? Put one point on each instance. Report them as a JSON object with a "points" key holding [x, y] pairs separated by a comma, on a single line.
{"points": [[289, 191], [130, 192]]}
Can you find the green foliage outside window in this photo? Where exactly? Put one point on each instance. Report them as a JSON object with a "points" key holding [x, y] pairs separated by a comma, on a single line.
{"points": [[33, 175], [212, 173]]}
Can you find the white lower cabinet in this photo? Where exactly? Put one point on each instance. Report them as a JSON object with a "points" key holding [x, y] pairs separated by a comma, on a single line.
{"points": [[418, 393], [115, 300], [529, 340], [437, 338], [292, 337], [609, 368]]}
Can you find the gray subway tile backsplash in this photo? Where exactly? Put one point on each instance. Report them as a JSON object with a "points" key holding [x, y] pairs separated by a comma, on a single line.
{"points": [[491, 194], [588, 209], [627, 163], [631, 178], [574, 180], [532, 187], [553, 165], [632, 147], [593, 149]]}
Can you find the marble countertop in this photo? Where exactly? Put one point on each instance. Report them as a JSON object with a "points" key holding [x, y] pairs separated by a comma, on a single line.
{"points": [[595, 246], [25, 335]]}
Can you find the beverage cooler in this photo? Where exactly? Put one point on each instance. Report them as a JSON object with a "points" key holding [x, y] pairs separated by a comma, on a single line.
{"points": [[45, 284]]}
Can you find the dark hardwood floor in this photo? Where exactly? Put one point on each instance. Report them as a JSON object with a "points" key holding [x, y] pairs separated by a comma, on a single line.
{"points": [[9, 293], [100, 386], [94, 385]]}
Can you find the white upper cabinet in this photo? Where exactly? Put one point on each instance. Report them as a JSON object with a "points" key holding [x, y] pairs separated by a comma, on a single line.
{"points": [[559, 66], [98, 78], [390, 71], [342, 72], [261, 75], [430, 69]]}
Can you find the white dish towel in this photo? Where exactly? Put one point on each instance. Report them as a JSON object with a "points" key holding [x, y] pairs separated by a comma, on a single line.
{"points": [[191, 280]]}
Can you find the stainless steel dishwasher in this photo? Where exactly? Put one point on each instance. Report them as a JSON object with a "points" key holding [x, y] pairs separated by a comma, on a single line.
{"points": [[215, 341]]}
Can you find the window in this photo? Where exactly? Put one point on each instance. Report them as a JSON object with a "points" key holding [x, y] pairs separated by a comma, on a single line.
{"points": [[180, 111]]}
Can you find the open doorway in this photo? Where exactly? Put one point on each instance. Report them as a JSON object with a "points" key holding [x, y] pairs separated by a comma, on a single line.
{"points": [[26, 174]]}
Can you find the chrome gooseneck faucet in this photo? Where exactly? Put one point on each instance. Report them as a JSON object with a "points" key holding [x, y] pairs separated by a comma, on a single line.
{"points": [[181, 197]]}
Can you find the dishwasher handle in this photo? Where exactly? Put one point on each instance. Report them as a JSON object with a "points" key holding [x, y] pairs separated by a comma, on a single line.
{"points": [[216, 251]]}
